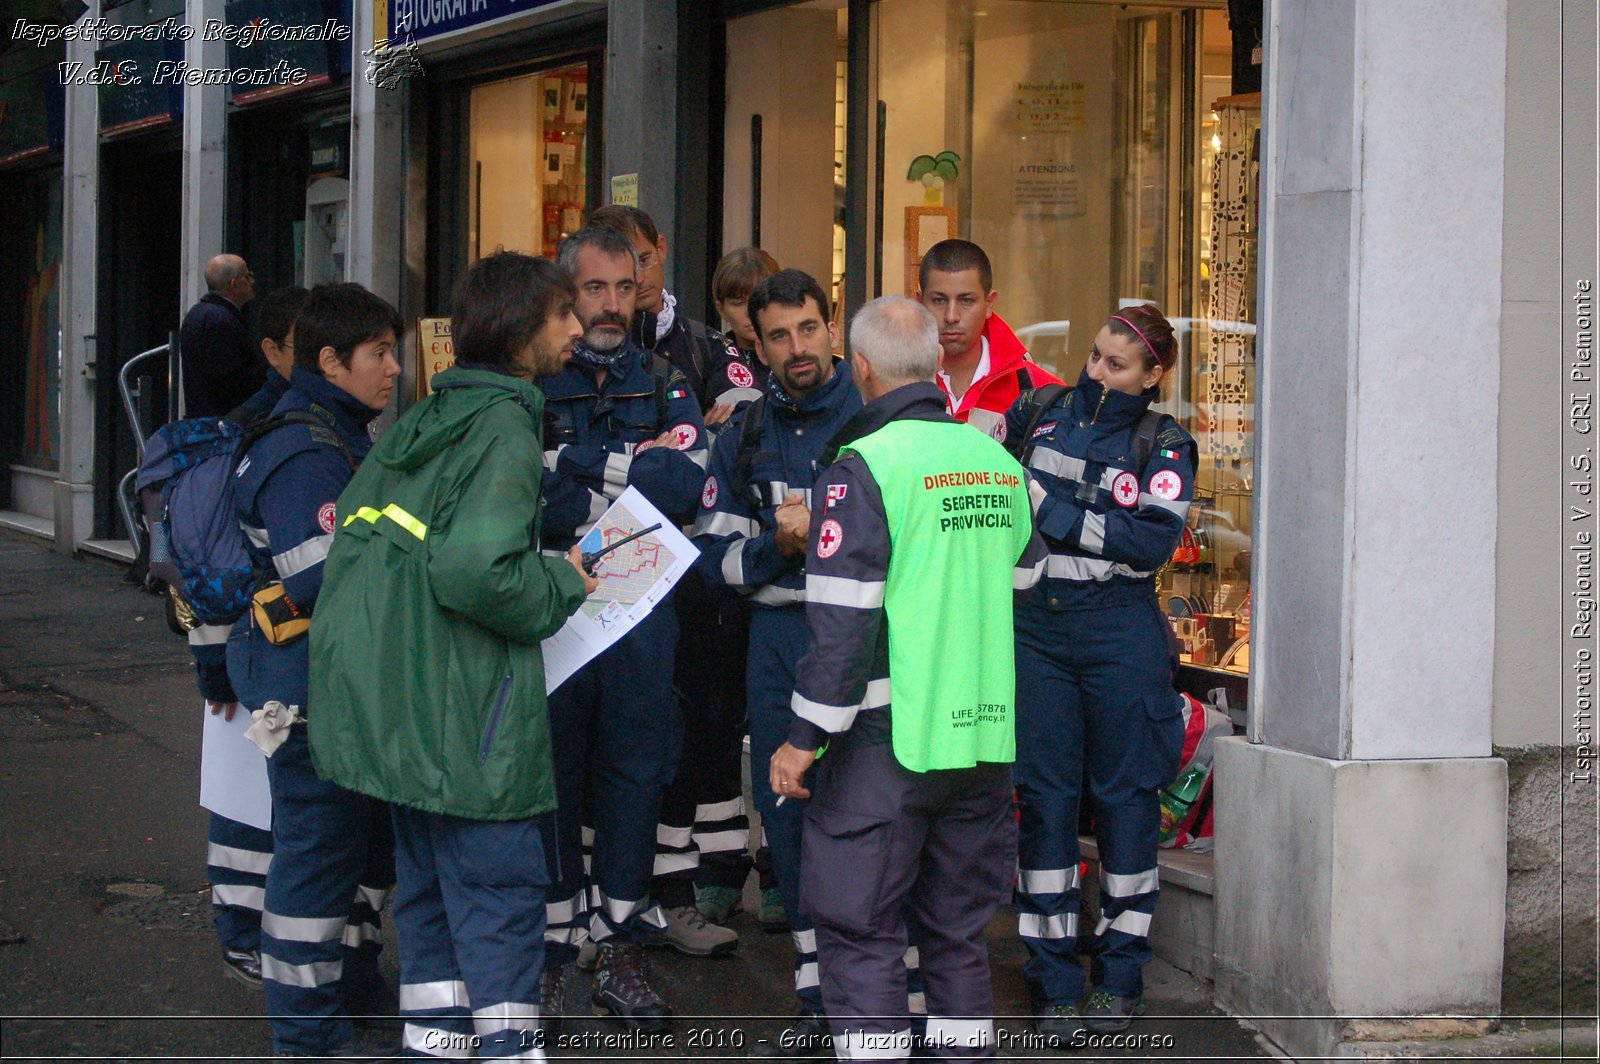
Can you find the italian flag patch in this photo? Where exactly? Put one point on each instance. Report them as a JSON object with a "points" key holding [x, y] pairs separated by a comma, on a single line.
{"points": [[676, 393], [1169, 454]]}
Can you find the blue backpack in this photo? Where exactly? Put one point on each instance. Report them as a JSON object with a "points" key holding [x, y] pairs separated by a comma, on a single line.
{"points": [[185, 487]]}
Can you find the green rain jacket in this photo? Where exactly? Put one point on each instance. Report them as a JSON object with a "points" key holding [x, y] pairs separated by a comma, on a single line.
{"points": [[427, 680]]}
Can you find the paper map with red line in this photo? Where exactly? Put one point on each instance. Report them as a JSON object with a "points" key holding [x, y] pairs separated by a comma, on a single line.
{"points": [[634, 579]]}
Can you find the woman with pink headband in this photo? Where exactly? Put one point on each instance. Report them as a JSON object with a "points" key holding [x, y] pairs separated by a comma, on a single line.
{"points": [[1112, 481]]}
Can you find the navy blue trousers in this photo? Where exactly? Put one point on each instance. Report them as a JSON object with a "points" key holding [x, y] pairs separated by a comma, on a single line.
{"points": [[615, 731], [890, 854], [332, 864], [469, 909], [778, 640], [237, 859], [1094, 688]]}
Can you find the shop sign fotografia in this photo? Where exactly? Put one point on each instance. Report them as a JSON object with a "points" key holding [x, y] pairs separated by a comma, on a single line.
{"points": [[435, 351], [1049, 106]]}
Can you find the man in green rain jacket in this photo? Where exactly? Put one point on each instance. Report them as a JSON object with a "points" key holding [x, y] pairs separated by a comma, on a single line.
{"points": [[427, 680]]}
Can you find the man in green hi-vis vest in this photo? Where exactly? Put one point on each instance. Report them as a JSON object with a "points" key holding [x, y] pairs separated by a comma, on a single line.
{"points": [[923, 533]]}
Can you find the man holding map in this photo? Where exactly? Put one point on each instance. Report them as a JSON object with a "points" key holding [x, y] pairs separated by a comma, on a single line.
{"points": [[612, 423], [427, 675]]}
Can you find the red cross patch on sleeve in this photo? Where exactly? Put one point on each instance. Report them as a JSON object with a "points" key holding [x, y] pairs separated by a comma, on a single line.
{"points": [[829, 538]]}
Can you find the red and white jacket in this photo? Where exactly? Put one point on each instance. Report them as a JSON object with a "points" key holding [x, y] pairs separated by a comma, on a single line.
{"points": [[986, 400]]}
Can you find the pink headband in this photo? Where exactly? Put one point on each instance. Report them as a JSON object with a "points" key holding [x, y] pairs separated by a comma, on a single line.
{"points": [[1148, 345]]}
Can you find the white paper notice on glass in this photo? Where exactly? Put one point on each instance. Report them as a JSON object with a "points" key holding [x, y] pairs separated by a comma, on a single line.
{"points": [[233, 773], [634, 579]]}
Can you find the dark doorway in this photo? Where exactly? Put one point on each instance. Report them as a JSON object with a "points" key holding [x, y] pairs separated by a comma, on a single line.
{"points": [[141, 195]]}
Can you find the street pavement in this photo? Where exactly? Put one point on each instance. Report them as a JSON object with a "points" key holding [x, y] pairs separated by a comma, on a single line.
{"points": [[106, 945]]}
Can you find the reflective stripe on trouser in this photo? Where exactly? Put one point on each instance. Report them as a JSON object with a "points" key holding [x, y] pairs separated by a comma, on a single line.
{"points": [[778, 640], [326, 840], [881, 843], [1090, 692], [706, 794], [614, 726], [469, 910], [237, 859]]}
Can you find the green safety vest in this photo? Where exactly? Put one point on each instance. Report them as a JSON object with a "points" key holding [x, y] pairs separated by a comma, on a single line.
{"points": [[959, 519]]}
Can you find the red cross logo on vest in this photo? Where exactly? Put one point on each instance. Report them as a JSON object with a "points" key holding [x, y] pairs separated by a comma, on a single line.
{"points": [[1125, 489], [829, 536], [739, 375]]}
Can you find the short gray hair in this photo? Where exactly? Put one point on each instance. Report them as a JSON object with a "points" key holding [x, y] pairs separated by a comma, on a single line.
{"points": [[899, 337], [606, 241]]}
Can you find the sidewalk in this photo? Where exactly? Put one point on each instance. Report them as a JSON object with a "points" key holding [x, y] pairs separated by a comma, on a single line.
{"points": [[102, 855]]}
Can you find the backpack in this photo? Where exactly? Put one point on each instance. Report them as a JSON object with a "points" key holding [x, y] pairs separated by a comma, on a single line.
{"points": [[185, 486], [749, 440]]}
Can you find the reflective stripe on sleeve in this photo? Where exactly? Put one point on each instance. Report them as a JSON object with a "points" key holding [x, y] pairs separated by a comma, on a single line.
{"points": [[1177, 506], [394, 513], [719, 523], [733, 564], [298, 559], [1092, 537], [843, 591]]}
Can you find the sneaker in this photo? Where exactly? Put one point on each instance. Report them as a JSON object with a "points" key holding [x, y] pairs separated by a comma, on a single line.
{"points": [[718, 904], [1108, 1013], [807, 1038], [622, 988], [554, 1002], [772, 916], [688, 931], [1060, 1025], [243, 965]]}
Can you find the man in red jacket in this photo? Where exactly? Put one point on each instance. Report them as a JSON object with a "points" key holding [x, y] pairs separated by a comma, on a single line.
{"points": [[985, 366]]}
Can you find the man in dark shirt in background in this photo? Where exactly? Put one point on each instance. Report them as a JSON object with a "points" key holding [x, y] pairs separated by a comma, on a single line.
{"points": [[221, 369]]}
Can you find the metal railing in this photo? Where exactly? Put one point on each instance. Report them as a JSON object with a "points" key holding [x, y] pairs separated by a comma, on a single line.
{"points": [[131, 393]]}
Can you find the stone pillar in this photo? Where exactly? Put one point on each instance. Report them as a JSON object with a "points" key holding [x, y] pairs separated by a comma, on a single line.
{"points": [[641, 107], [376, 242], [205, 170], [74, 499], [1361, 838]]}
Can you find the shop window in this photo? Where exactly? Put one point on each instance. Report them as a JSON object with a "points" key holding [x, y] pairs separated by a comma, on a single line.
{"points": [[529, 150], [30, 314], [1097, 154]]}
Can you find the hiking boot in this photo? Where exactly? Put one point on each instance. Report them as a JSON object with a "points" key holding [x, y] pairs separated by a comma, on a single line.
{"points": [[772, 916], [807, 1038], [688, 931], [1060, 1025], [555, 1004], [718, 904], [243, 965], [1108, 1013], [365, 1046], [622, 988]]}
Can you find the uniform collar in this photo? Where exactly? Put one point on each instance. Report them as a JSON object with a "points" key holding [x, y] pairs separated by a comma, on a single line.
{"points": [[1118, 408], [922, 401], [351, 413], [823, 399]]}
